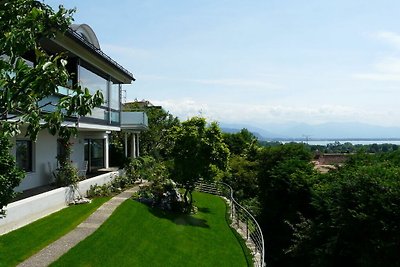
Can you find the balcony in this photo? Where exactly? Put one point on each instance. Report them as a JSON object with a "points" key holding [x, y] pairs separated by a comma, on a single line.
{"points": [[134, 121]]}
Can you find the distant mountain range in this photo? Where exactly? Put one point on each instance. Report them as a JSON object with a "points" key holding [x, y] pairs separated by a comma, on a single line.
{"points": [[325, 131]]}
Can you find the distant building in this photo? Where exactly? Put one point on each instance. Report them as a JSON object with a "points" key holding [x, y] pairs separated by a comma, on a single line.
{"points": [[139, 105]]}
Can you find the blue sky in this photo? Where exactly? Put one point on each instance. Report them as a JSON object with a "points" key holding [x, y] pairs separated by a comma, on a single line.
{"points": [[259, 61]]}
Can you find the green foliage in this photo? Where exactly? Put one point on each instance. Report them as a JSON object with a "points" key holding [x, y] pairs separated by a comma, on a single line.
{"points": [[239, 143], [10, 175], [115, 186], [67, 175], [146, 168], [347, 147], [162, 193], [285, 178], [242, 177], [198, 152], [348, 217], [356, 223]]}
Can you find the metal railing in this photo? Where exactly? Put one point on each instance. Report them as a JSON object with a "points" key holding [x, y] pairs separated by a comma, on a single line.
{"points": [[98, 51], [242, 220]]}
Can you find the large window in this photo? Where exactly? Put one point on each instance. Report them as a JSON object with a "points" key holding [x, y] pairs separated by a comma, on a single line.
{"points": [[93, 82], [24, 155], [94, 153], [115, 97]]}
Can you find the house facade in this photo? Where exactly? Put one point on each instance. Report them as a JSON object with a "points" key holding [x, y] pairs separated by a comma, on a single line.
{"points": [[90, 67]]}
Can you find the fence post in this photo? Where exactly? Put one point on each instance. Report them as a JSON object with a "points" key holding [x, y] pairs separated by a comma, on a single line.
{"points": [[247, 229]]}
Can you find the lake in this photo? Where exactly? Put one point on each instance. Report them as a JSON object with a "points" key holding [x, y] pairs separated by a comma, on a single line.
{"points": [[354, 142]]}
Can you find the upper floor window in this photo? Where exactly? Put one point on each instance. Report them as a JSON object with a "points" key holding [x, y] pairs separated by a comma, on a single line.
{"points": [[93, 82], [24, 155], [115, 97]]}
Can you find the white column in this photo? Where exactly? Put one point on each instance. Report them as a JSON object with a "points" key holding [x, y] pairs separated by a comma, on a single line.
{"points": [[126, 144], [106, 152], [133, 154], [138, 150]]}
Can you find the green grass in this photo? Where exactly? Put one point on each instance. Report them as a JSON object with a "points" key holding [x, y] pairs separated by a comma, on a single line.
{"points": [[20, 244], [137, 235]]}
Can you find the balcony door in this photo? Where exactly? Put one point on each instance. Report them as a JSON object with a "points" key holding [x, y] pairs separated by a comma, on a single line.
{"points": [[94, 154]]}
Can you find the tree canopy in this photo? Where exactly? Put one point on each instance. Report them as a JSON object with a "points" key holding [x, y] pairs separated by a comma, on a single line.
{"points": [[198, 152]]}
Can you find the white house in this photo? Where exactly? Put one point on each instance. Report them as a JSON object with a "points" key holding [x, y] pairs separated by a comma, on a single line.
{"points": [[92, 68]]}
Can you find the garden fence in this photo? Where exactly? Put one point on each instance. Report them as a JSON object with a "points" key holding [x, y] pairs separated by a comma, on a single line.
{"points": [[242, 220]]}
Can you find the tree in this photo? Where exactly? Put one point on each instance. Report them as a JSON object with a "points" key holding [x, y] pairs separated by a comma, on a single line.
{"points": [[284, 180], [198, 152], [242, 177], [357, 210], [25, 89], [239, 143]]}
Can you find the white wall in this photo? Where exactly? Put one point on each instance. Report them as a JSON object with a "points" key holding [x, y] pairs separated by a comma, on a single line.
{"points": [[44, 152], [27, 210]]}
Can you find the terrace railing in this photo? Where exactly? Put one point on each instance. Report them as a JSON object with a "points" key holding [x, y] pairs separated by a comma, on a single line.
{"points": [[242, 220]]}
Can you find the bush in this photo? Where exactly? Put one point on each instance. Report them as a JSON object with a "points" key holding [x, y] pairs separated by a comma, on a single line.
{"points": [[10, 174], [113, 187], [163, 194], [145, 168], [67, 175]]}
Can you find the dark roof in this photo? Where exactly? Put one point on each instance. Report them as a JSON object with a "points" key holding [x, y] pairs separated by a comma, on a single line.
{"points": [[70, 32]]}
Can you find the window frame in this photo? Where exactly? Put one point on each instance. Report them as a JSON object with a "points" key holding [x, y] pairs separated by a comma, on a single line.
{"points": [[30, 155]]}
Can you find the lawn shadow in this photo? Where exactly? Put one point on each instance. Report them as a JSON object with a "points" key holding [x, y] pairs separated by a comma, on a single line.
{"points": [[178, 219], [204, 210]]}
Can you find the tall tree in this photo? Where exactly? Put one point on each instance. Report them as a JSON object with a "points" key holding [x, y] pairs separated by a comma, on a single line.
{"points": [[284, 180], [198, 152], [25, 89], [239, 143]]}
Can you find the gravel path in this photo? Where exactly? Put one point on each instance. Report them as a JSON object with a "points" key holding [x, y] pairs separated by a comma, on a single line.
{"points": [[56, 249]]}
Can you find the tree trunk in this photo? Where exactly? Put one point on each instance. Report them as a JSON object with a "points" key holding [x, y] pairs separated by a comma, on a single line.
{"points": [[191, 199], [185, 197]]}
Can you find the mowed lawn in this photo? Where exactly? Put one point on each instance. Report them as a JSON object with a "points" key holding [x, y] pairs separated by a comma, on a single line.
{"points": [[20, 244], [137, 235]]}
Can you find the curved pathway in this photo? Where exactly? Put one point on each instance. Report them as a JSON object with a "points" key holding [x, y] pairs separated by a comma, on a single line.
{"points": [[59, 247]]}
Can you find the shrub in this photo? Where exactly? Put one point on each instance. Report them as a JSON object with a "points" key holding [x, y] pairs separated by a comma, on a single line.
{"points": [[116, 185], [162, 193], [145, 168], [10, 174], [67, 175]]}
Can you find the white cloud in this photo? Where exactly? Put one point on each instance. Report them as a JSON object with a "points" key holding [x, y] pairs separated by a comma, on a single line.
{"points": [[272, 113], [386, 69], [389, 37]]}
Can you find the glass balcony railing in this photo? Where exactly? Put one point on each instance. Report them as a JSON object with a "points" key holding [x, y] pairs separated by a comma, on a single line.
{"points": [[134, 121], [65, 90]]}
